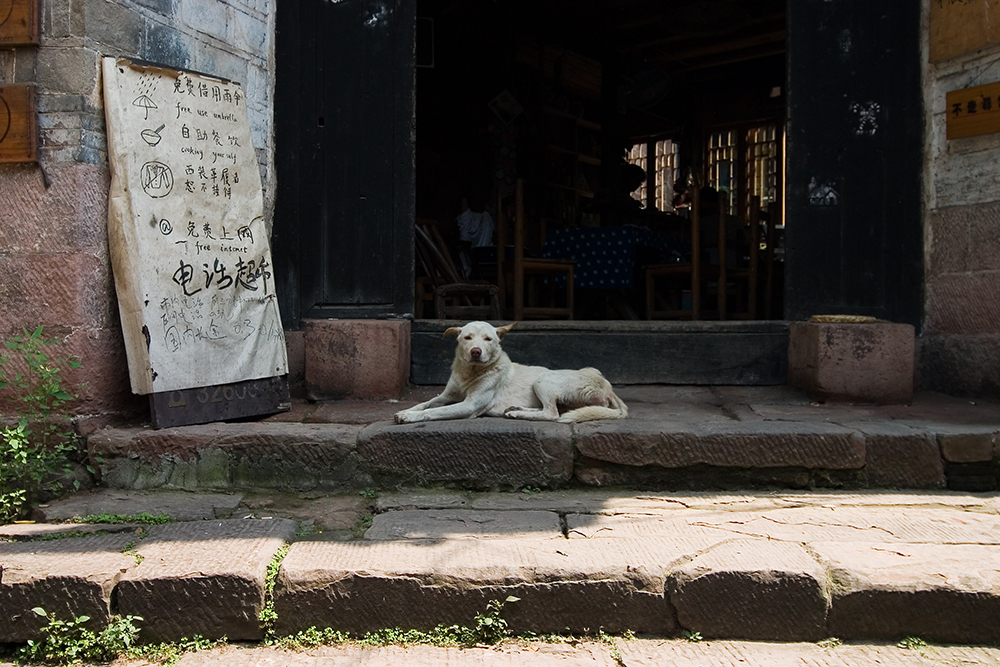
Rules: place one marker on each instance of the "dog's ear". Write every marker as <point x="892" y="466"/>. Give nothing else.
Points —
<point x="453" y="331"/>
<point x="502" y="331"/>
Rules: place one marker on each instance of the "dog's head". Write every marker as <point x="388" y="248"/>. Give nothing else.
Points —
<point x="479" y="342"/>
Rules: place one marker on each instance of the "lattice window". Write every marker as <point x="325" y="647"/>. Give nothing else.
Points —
<point x="638" y="156"/>
<point x="664" y="164"/>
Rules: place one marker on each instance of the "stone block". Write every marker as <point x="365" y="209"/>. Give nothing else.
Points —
<point x="114" y="25"/>
<point x="68" y="70"/>
<point x="167" y="45"/>
<point x="669" y="443"/>
<point x="357" y="358"/>
<point x="68" y="578"/>
<point x="65" y="289"/>
<point x="291" y="457"/>
<point x="202" y="578"/>
<point x="852" y="362"/>
<point x="563" y="587"/>
<point x="751" y="589"/>
<point x="963" y="303"/>
<point x="968" y="447"/>
<point x="477" y="453"/>
<point x="901" y="457"/>
<point x="961" y="365"/>
<point x="884" y="591"/>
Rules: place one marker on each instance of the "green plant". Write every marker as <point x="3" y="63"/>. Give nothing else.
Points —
<point x="363" y="524"/>
<point x="914" y="643"/>
<point x="70" y="642"/>
<point x="39" y="448"/>
<point x="491" y="627"/>
<point x="692" y="636"/>
<point x="267" y="614"/>
<point x="369" y="494"/>
<point x="830" y="642"/>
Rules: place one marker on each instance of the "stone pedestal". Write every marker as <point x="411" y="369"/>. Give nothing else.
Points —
<point x="356" y="358"/>
<point x="852" y="362"/>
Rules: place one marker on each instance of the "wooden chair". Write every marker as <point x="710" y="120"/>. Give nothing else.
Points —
<point x="525" y="272"/>
<point x="453" y="298"/>
<point x="748" y="276"/>
<point x="690" y="273"/>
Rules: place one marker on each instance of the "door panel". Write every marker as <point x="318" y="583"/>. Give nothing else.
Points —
<point x="343" y="238"/>
<point x="855" y="144"/>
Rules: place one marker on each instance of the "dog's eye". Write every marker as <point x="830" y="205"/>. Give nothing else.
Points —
<point x="469" y="337"/>
<point x="487" y="338"/>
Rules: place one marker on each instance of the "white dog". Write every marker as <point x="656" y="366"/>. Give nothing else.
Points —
<point x="484" y="381"/>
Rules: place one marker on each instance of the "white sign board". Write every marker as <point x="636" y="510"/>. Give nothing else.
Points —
<point x="189" y="248"/>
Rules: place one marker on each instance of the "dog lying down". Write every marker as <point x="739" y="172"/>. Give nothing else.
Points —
<point x="485" y="382"/>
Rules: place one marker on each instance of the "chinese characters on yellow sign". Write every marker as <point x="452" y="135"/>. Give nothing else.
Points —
<point x="973" y="111"/>
<point x="189" y="247"/>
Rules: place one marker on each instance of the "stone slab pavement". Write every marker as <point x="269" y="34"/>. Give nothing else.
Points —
<point x="637" y="653"/>
<point x="759" y="565"/>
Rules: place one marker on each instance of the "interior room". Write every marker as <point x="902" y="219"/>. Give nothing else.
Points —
<point x="600" y="159"/>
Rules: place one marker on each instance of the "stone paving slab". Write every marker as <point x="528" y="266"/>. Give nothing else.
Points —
<point x="584" y="654"/>
<point x="178" y="505"/>
<point x="203" y="577"/>
<point x="679" y="653"/>
<point x="48" y="531"/>
<point x="947" y="593"/>
<point x="562" y="585"/>
<point x="67" y="578"/>
<point x="464" y="524"/>
<point x="806" y="524"/>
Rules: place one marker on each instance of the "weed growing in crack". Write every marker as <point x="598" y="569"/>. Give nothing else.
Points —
<point x="692" y="636"/>
<point x="268" y="615"/>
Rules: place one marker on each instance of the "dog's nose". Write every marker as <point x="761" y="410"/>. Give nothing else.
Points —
<point x="476" y="352"/>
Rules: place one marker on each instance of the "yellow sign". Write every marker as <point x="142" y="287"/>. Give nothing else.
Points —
<point x="973" y="111"/>
<point x="18" y="22"/>
<point x="17" y="123"/>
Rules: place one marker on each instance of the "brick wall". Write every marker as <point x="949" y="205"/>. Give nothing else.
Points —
<point x="960" y="346"/>
<point x="54" y="264"/>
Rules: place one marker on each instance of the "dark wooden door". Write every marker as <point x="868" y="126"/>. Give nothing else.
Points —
<point x="344" y="127"/>
<point x="855" y="145"/>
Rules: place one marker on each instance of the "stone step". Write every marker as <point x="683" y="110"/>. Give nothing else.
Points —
<point x="674" y="438"/>
<point x="753" y="566"/>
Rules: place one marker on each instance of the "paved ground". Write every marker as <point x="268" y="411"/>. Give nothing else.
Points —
<point x="639" y="653"/>
<point x="776" y="566"/>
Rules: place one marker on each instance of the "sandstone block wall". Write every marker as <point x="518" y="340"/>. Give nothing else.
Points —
<point x="54" y="265"/>
<point x="960" y="345"/>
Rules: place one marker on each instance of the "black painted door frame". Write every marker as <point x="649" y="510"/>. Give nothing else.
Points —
<point x="344" y="133"/>
<point x="854" y="234"/>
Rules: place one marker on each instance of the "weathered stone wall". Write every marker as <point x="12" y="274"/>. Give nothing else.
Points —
<point x="54" y="264"/>
<point x="960" y="346"/>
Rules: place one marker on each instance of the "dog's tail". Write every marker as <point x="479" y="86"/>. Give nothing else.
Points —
<point x="617" y="410"/>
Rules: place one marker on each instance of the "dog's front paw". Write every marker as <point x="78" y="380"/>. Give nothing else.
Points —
<point x="512" y="412"/>
<point x="405" y="417"/>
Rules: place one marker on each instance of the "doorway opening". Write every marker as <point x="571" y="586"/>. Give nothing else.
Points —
<point x="600" y="160"/>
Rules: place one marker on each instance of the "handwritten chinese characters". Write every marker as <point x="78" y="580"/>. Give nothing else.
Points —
<point x="191" y="256"/>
